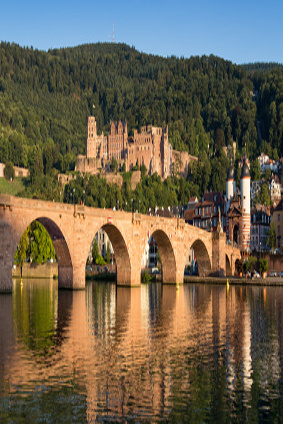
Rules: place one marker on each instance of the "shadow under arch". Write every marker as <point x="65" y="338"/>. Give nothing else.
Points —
<point x="167" y="256"/>
<point x="122" y="258"/>
<point x="65" y="267"/>
<point x="202" y="258"/>
<point x="228" y="267"/>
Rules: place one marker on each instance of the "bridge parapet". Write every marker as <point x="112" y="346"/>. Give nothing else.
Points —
<point x="79" y="210"/>
<point x="136" y="218"/>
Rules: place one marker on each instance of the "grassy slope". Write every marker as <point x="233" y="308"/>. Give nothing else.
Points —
<point x="11" y="188"/>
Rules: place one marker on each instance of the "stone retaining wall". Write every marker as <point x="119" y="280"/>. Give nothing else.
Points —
<point x="47" y="270"/>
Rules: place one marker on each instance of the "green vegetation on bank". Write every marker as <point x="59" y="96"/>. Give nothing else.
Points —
<point x="12" y="187"/>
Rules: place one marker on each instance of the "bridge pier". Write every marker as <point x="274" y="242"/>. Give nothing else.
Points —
<point x="218" y="254"/>
<point x="72" y="278"/>
<point x="65" y="277"/>
<point x="7" y="249"/>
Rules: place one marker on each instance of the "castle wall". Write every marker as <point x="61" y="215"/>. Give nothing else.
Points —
<point x="181" y="160"/>
<point x="19" y="172"/>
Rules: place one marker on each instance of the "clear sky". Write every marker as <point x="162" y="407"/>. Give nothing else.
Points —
<point x="241" y="31"/>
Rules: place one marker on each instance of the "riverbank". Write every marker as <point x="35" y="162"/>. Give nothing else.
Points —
<point x="268" y="281"/>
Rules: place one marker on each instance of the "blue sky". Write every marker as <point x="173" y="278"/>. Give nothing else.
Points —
<point x="240" y="31"/>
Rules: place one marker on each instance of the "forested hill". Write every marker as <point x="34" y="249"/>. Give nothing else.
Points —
<point x="45" y="98"/>
<point x="261" y="66"/>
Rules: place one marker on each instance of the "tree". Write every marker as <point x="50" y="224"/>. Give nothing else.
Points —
<point x="108" y="254"/>
<point x="9" y="172"/>
<point x="250" y="263"/>
<point x="267" y="175"/>
<point x="239" y="266"/>
<point x="114" y="165"/>
<point x="264" y="194"/>
<point x="263" y="265"/>
<point x="271" y="239"/>
<point x="219" y="140"/>
<point x="100" y="261"/>
<point x="255" y="170"/>
<point x="41" y="246"/>
<point x="35" y="245"/>
<point x="95" y="251"/>
<point x="143" y="170"/>
<point x="36" y="166"/>
<point x="22" y="248"/>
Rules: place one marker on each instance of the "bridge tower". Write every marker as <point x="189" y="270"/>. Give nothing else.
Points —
<point x="246" y="206"/>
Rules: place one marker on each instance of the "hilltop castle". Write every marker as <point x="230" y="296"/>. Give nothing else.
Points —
<point x="149" y="147"/>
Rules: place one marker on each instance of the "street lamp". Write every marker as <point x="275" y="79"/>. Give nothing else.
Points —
<point x="126" y="207"/>
<point x="74" y="194"/>
<point x="60" y="196"/>
<point x="132" y="204"/>
<point x="117" y="205"/>
<point x="139" y="206"/>
<point x="83" y="197"/>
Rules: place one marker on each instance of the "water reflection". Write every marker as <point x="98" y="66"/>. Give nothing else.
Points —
<point x="153" y="353"/>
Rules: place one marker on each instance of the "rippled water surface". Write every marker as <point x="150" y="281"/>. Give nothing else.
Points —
<point x="150" y="354"/>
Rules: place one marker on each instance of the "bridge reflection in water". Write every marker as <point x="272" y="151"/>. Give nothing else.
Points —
<point x="149" y="353"/>
<point x="72" y="229"/>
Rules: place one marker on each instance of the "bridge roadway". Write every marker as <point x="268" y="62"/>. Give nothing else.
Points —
<point x="73" y="227"/>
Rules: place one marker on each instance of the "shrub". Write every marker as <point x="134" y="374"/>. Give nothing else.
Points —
<point x="263" y="265"/>
<point x="9" y="172"/>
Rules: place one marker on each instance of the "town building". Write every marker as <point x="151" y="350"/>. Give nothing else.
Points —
<point x="266" y="162"/>
<point x="205" y="214"/>
<point x="149" y="147"/>
<point x="274" y="189"/>
<point x="277" y="219"/>
<point x="255" y="189"/>
<point x="260" y="224"/>
<point x="263" y="159"/>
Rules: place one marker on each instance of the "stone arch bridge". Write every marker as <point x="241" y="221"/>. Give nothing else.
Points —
<point x="73" y="227"/>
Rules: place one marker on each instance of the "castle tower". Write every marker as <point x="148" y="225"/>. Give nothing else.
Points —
<point x="246" y="206"/>
<point x="91" y="138"/>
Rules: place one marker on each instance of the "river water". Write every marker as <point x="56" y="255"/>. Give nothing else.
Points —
<point x="195" y="354"/>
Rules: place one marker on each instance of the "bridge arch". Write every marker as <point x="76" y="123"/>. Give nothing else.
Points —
<point x="202" y="258"/>
<point x="124" y="269"/>
<point x="122" y="257"/>
<point x="167" y="256"/>
<point x="65" y="267"/>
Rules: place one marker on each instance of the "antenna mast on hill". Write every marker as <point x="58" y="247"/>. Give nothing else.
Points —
<point x="113" y="31"/>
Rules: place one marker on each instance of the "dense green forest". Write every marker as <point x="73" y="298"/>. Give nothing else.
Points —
<point x="46" y="97"/>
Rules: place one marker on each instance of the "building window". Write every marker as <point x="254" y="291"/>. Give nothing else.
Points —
<point x="278" y="217"/>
